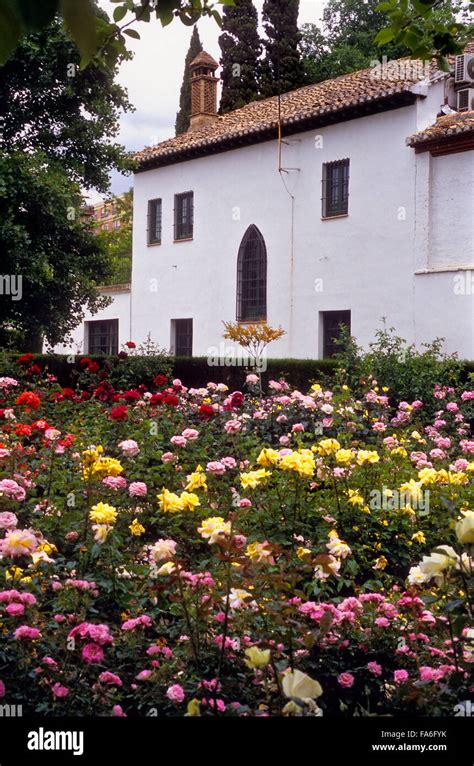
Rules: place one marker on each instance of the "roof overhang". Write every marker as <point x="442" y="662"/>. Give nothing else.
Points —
<point x="290" y="126"/>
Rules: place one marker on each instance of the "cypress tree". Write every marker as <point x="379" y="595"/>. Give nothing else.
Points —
<point x="282" y="68"/>
<point x="241" y="49"/>
<point x="184" y="114"/>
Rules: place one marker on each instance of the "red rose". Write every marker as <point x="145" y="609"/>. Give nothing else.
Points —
<point x="131" y="396"/>
<point x="119" y="413"/>
<point x="40" y="425"/>
<point x="160" y="380"/>
<point x="29" y="399"/>
<point x="93" y="367"/>
<point x="23" y="430"/>
<point x="130" y="344"/>
<point x="85" y="360"/>
<point x="25" y="359"/>
<point x="123" y="355"/>
<point x="156" y="399"/>
<point x="173" y="401"/>
<point x="34" y="370"/>
<point x="68" y="393"/>
<point x="206" y="411"/>
<point x="237" y="399"/>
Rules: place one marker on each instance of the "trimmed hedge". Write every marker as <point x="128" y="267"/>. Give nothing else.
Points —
<point x="193" y="371"/>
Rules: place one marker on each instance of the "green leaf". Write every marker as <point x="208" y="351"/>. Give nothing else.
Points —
<point x="120" y="12"/>
<point x="131" y="33"/>
<point x="386" y="6"/>
<point x="385" y="36"/>
<point x="37" y="14"/>
<point x="11" y="28"/>
<point x="80" y="19"/>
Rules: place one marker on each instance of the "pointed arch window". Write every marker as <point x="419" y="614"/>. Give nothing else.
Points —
<point x="252" y="277"/>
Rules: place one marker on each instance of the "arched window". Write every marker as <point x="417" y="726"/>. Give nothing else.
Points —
<point x="252" y="277"/>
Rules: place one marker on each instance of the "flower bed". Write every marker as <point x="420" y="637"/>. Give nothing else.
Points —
<point x="207" y="552"/>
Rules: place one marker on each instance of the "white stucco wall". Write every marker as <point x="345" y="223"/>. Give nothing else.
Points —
<point x="118" y="309"/>
<point x="402" y="209"/>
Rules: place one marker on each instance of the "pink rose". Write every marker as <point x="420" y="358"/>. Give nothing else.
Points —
<point x="400" y="676"/>
<point x="190" y="434"/>
<point x="374" y="668"/>
<point x="175" y="693"/>
<point x="129" y="448"/>
<point x="110" y="678"/>
<point x="59" y="691"/>
<point x="137" y="489"/>
<point x="92" y="653"/>
<point x="14" y="610"/>
<point x="8" y="520"/>
<point x="24" y="631"/>
<point x="346" y="680"/>
<point x="178" y="441"/>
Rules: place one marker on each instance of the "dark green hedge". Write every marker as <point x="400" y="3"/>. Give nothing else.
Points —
<point x="193" y="372"/>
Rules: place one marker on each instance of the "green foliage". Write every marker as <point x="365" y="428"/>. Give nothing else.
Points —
<point x="407" y="373"/>
<point x="184" y="114"/>
<point x="428" y="27"/>
<point x="70" y="114"/>
<point x="94" y="35"/>
<point x="117" y="243"/>
<point x="44" y="240"/>
<point x="347" y="40"/>
<point x="241" y="50"/>
<point x="282" y="68"/>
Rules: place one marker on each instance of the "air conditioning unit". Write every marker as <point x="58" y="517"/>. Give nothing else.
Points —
<point x="466" y="100"/>
<point x="464" y="69"/>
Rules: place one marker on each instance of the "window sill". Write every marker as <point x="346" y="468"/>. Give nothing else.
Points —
<point x="153" y="244"/>
<point x="332" y="217"/>
<point x="251" y="321"/>
<point x="184" y="239"/>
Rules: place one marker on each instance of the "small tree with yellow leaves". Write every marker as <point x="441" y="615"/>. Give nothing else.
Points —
<point x="254" y="338"/>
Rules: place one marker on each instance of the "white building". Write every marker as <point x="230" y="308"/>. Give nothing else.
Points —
<point x="364" y="210"/>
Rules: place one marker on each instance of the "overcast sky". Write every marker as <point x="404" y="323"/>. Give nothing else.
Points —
<point x="153" y="77"/>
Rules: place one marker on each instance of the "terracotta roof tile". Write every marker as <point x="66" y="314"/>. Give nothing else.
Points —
<point x="446" y="126"/>
<point x="324" y="99"/>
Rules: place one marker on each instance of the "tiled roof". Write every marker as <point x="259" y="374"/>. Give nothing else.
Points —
<point x="204" y="59"/>
<point x="367" y="90"/>
<point x="447" y="126"/>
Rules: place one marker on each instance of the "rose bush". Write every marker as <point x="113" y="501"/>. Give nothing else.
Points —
<point x="181" y="551"/>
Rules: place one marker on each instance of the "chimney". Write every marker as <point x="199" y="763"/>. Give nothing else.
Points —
<point x="203" y="91"/>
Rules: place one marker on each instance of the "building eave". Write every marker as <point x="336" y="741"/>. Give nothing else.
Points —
<point x="290" y="126"/>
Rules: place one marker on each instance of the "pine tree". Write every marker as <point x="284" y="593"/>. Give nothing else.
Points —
<point x="241" y="49"/>
<point x="282" y="68"/>
<point x="184" y="114"/>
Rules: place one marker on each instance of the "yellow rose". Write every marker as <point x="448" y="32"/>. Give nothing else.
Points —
<point x="214" y="529"/>
<point x="253" y="478"/>
<point x="170" y="502"/>
<point x="257" y="658"/>
<point x="102" y="513"/>
<point x="189" y="500"/>
<point x="196" y="480"/>
<point x="268" y="457"/>
<point x="465" y="528"/>
<point x="299" y="685"/>
<point x="136" y="528"/>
